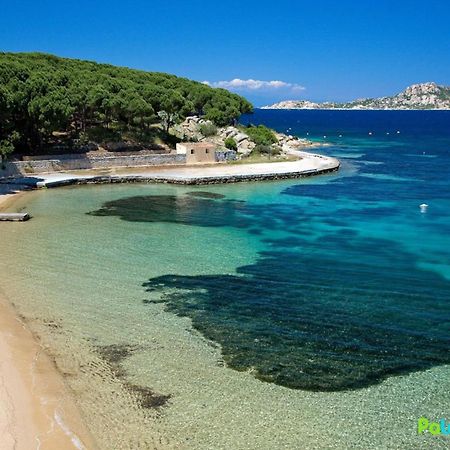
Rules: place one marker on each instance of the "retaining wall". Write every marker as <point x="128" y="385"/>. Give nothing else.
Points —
<point x="15" y="168"/>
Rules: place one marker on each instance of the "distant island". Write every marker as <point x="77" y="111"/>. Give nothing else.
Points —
<point x="418" y="96"/>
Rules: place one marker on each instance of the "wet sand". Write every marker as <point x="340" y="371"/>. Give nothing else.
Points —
<point x="8" y="196"/>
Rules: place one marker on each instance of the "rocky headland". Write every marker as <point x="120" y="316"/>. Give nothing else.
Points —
<point x="198" y="129"/>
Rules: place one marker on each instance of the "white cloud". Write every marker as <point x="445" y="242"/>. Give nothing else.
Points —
<point x="255" y="85"/>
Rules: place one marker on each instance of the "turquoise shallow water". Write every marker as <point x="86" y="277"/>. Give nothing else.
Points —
<point x="329" y="293"/>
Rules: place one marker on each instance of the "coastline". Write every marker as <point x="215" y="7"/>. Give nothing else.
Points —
<point x="309" y="164"/>
<point x="36" y="408"/>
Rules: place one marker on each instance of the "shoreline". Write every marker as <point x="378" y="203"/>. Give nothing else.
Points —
<point x="37" y="409"/>
<point x="309" y="164"/>
<point x="6" y="200"/>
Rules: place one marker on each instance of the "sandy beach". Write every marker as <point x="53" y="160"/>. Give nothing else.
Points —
<point x="37" y="410"/>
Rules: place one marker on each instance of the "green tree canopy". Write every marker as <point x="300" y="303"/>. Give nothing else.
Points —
<point x="261" y="135"/>
<point x="41" y="94"/>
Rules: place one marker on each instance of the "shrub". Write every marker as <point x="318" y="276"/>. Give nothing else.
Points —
<point x="102" y="134"/>
<point x="83" y="138"/>
<point x="172" y="140"/>
<point x="7" y="147"/>
<point x="230" y="143"/>
<point x="208" y="129"/>
<point x="261" y="135"/>
<point x="268" y="150"/>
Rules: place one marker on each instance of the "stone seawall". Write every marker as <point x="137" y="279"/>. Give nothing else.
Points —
<point x="17" y="168"/>
<point x="198" y="180"/>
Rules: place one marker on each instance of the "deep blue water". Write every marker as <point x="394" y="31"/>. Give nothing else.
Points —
<point x="353" y="283"/>
<point x="432" y="125"/>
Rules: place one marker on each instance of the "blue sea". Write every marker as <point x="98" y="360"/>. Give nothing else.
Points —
<point x="310" y="313"/>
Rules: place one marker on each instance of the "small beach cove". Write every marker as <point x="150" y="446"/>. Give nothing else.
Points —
<point x="48" y="407"/>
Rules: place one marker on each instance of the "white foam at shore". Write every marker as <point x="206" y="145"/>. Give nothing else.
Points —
<point x="73" y="437"/>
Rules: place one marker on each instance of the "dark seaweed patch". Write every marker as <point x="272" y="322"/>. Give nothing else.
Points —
<point x="147" y="397"/>
<point x="147" y="301"/>
<point x="305" y="321"/>
<point x="114" y="355"/>
<point x="186" y="210"/>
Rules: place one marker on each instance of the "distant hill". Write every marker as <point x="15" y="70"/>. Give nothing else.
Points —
<point x="45" y="99"/>
<point x="417" y="96"/>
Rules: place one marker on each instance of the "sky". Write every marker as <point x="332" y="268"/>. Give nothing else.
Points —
<point x="265" y="50"/>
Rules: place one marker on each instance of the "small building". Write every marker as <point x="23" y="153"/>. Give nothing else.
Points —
<point x="198" y="152"/>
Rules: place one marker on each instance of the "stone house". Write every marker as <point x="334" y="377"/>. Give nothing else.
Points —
<point x="198" y="152"/>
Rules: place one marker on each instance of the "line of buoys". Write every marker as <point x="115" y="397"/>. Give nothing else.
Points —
<point x="370" y="133"/>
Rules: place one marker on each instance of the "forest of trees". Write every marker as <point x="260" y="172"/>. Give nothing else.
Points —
<point x="42" y="94"/>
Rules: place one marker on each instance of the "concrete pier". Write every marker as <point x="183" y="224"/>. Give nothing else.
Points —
<point x="309" y="165"/>
<point x="14" y="217"/>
